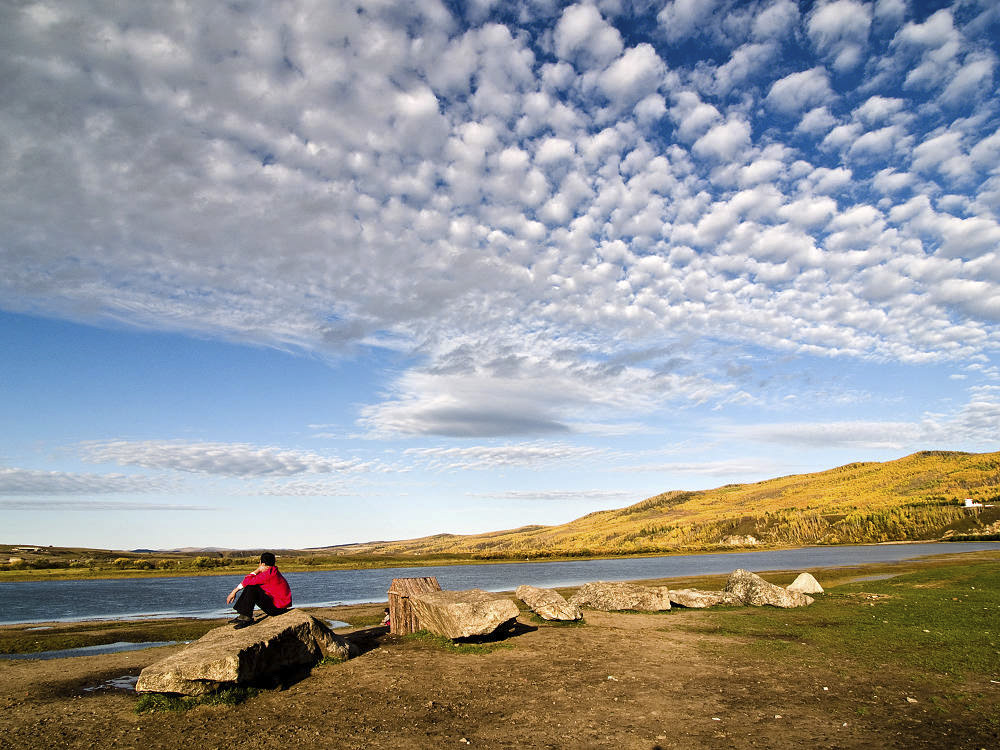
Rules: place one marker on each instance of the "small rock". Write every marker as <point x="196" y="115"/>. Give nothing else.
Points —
<point x="615" y="597"/>
<point x="805" y="584"/>
<point x="548" y="604"/>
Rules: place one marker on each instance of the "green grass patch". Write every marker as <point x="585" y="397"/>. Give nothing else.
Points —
<point x="944" y="620"/>
<point x="154" y="702"/>
<point x="456" y="647"/>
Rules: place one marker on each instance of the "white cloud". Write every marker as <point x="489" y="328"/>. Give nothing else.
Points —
<point x="817" y="121"/>
<point x="45" y="505"/>
<point x="634" y="75"/>
<point x="582" y="34"/>
<point x="681" y="18"/>
<point x="17" y="482"/>
<point x="799" y="91"/>
<point x="878" y="109"/>
<point x="839" y="31"/>
<point x="222" y="459"/>
<point x="725" y="141"/>
<point x="776" y="21"/>
<point x="487" y="457"/>
<point x="971" y="81"/>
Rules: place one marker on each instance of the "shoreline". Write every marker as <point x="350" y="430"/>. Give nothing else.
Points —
<point x="836" y="575"/>
<point x="76" y="574"/>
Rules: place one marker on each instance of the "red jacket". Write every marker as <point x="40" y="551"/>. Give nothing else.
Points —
<point x="273" y="584"/>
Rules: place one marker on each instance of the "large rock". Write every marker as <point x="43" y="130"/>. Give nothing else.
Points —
<point x="615" y="597"/>
<point x="755" y="591"/>
<point x="697" y="599"/>
<point x="805" y="584"/>
<point x="224" y="656"/>
<point x="548" y="604"/>
<point x="462" y="614"/>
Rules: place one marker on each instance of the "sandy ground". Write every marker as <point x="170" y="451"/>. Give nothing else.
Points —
<point x="621" y="681"/>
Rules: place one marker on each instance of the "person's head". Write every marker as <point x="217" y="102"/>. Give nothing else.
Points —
<point x="267" y="558"/>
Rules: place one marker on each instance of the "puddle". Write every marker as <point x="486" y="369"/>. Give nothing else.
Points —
<point x="40" y="627"/>
<point x="101" y="650"/>
<point x="880" y="577"/>
<point x="338" y="624"/>
<point x="125" y="682"/>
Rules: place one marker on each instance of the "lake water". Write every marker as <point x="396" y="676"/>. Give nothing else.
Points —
<point x="205" y="596"/>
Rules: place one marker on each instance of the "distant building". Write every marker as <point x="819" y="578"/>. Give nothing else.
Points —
<point x="970" y="503"/>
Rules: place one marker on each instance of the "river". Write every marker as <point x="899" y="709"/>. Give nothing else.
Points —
<point x="205" y="596"/>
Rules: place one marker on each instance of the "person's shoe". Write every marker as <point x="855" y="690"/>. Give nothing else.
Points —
<point x="242" y="622"/>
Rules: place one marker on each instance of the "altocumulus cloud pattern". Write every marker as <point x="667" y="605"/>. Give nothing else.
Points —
<point x="563" y="216"/>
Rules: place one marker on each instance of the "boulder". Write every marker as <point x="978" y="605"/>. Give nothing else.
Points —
<point x="614" y="597"/>
<point x="805" y="584"/>
<point x="548" y="604"/>
<point x="462" y="614"/>
<point x="697" y="599"/>
<point x="224" y="657"/>
<point x="755" y="591"/>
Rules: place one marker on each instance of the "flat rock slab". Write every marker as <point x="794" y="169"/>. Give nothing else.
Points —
<point x="616" y="597"/>
<point x="804" y="583"/>
<point x="755" y="591"/>
<point x="548" y="604"/>
<point x="698" y="599"/>
<point x="225" y="657"/>
<point x="462" y="614"/>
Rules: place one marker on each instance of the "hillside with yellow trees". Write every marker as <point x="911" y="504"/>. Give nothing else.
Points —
<point x="919" y="497"/>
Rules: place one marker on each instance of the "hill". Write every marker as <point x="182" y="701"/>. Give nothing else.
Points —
<point x="918" y="497"/>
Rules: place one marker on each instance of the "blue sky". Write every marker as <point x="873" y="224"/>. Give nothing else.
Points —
<point x="307" y="273"/>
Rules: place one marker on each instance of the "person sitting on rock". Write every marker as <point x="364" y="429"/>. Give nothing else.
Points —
<point x="265" y="588"/>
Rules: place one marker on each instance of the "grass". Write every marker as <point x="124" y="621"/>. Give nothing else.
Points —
<point x="447" y="644"/>
<point x="155" y="702"/>
<point x="942" y="620"/>
<point x="18" y="639"/>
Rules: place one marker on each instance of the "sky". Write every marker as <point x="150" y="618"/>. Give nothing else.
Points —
<point x="300" y="273"/>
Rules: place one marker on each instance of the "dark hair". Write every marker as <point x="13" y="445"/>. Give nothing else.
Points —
<point x="267" y="558"/>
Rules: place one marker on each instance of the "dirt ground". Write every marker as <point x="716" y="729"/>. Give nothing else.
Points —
<point x="620" y="681"/>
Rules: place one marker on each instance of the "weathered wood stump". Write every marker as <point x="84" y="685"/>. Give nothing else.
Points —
<point x="402" y="619"/>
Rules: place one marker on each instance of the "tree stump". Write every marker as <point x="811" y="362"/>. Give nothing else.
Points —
<point x="402" y="620"/>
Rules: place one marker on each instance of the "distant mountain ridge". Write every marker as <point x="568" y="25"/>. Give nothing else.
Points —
<point x="918" y="497"/>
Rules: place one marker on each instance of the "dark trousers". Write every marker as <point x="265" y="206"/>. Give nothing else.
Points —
<point x="254" y="595"/>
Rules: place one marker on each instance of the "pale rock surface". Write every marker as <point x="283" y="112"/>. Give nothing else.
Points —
<point x="225" y="657"/>
<point x="755" y="591"/>
<point x="697" y="599"/>
<point x="548" y="604"/>
<point x="805" y="584"/>
<point x="614" y="597"/>
<point x="462" y="614"/>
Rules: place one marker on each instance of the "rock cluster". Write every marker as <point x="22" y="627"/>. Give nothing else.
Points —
<point x="462" y="614"/>
<point x="224" y="656"/>
<point x="616" y="597"/>
<point x="548" y="604"/>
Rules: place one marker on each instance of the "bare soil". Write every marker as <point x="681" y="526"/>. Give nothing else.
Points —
<point x="620" y="681"/>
